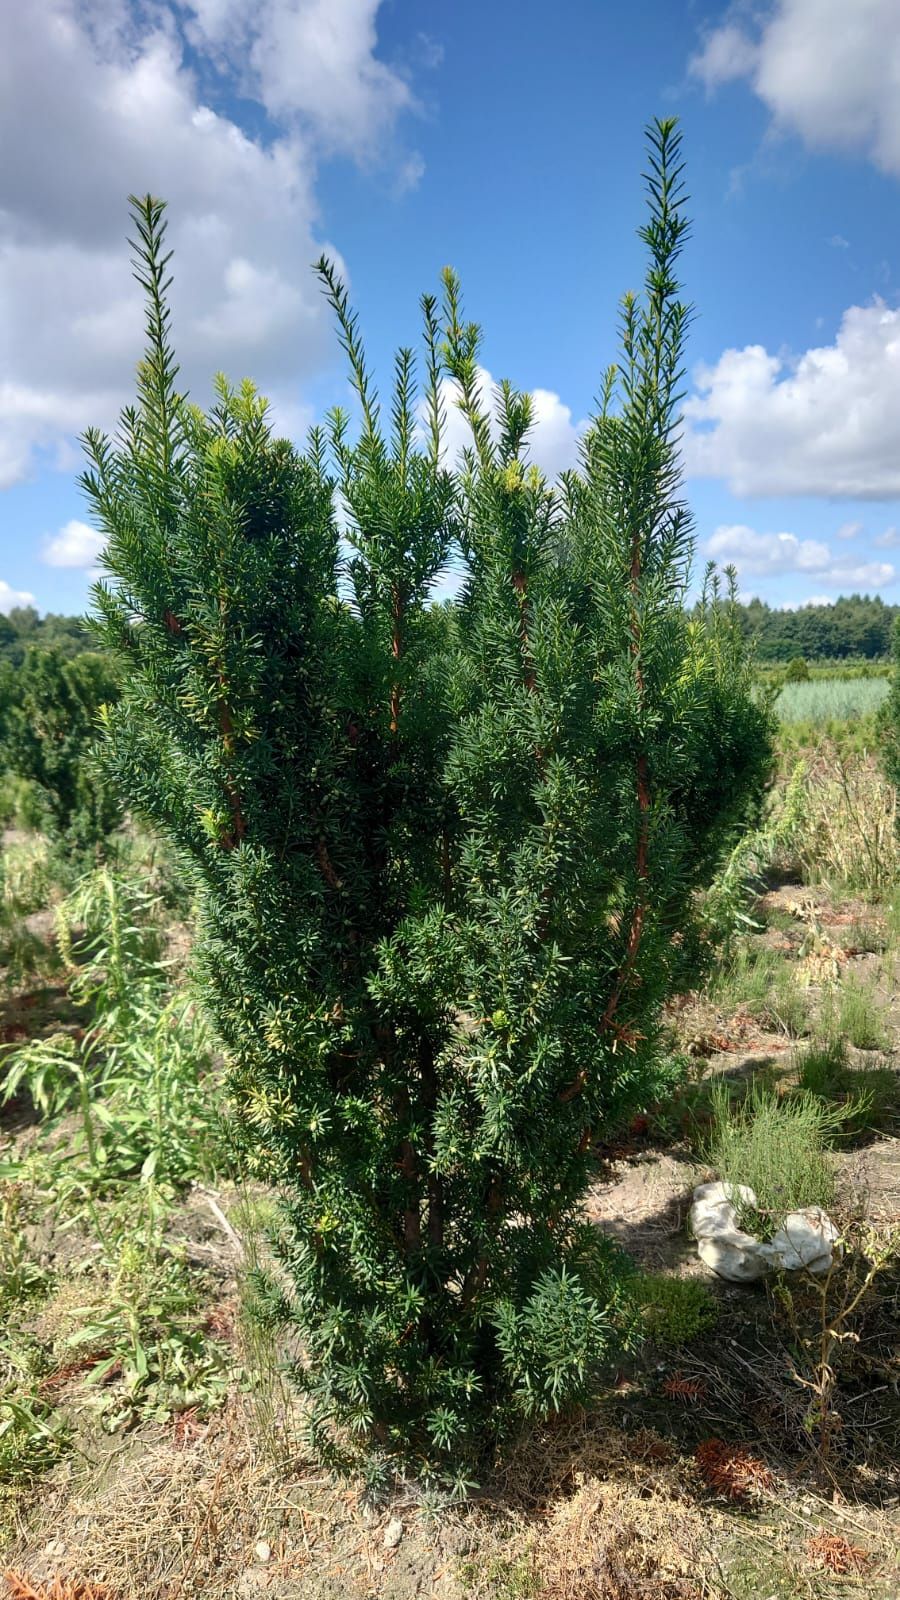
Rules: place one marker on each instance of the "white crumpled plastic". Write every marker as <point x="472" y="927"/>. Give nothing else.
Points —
<point x="806" y="1239"/>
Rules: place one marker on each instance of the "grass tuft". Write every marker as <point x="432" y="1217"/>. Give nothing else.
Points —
<point x="674" y="1310"/>
<point x="868" y="1096"/>
<point x="860" y="1017"/>
<point x="778" y="1146"/>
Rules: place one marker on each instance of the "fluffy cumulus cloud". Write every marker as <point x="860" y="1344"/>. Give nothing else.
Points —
<point x="100" y="98"/>
<point x="774" y="555"/>
<point x="769" y="553"/>
<point x="312" y="62"/>
<point x="76" y="545"/>
<point x="825" y="422"/>
<point x="10" y="598"/>
<point x="554" y="437"/>
<point x="828" y="70"/>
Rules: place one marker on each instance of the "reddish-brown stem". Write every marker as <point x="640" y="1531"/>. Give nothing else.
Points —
<point x="477" y="1277"/>
<point x="238" y="820"/>
<point x="520" y="585"/>
<point x="326" y="866"/>
<point x="396" y="651"/>
<point x="446" y="866"/>
<point x="412" y="1221"/>
<point x="435" y="1195"/>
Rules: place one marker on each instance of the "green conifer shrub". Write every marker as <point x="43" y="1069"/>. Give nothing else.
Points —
<point x="447" y="856"/>
<point x="50" y="706"/>
<point x="797" y="670"/>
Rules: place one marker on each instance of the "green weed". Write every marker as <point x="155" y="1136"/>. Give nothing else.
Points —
<point x="764" y="1574"/>
<point x="21" y="803"/>
<point x="138" y="1328"/>
<point x="866" y="936"/>
<point x="134" y="1077"/>
<point x="501" y="1578"/>
<point x="869" y="1096"/>
<point x="846" y="832"/>
<point x="137" y="1092"/>
<point x="29" y="875"/>
<point x="758" y="980"/>
<point x="21" y="1278"/>
<point x="776" y="1145"/>
<point x="788" y="1006"/>
<point x="674" y="1310"/>
<point x="746" y="980"/>
<point x="32" y="1439"/>
<point x="860" y="1017"/>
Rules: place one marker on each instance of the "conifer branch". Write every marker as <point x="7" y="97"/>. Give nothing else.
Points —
<point x="434" y="401"/>
<point x="461" y="345"/>
<point x="351" y="343"/>
<point x="158" y="370"/>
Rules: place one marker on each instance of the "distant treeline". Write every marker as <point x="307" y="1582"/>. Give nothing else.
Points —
<point x="857" y="626"/>
<point x="23" y="627"/>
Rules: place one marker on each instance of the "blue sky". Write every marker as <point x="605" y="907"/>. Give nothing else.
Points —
<point x="506" y="139"/>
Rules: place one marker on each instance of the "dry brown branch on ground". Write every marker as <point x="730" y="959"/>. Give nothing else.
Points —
<point x="835" y="1553"/>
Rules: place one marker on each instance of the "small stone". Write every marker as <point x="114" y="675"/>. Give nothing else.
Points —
<point x="262" y="1551"/>
<point x="253" y="1582"/>
<point x="55" y="1549"/>
<point x="393" y="1533"/>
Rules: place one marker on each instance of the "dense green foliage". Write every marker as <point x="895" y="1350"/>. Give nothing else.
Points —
<point x="674" y="1310"/>
<point x="23" y="627"/>
<point x="855" y="627"/>
<point x="49" y="711"/>
<point x="447" y="858"/>
<point x="889" y="722"/>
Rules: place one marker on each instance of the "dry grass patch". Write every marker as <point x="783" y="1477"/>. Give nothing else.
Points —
<point x="609" y="1542"/>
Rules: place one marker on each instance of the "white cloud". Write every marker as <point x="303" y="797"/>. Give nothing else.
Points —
<point x="311" y="62"/>
<point x="776" y="554"/>
<point x="102" y="99"/>
<point x="850" y="530"/>
<point x="76" y="545"/>
<point x="767" y="553"/>
<point x="728" y="53"/>
<point x="889" y="540"/>
<point x="822" y="423"/>
<point x="865" y="575"/>
<point x="10" y="598"/>
<point x="552" y="441"/>
<point x="555" y="435"/>
<point x="804" y="605"/>
<point x="827" y="70"/>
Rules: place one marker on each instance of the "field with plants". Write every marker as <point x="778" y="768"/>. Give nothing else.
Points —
<point x="381" y="978"/>
<point x="830" y="699"/>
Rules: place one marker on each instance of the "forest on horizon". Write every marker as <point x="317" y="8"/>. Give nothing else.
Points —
<point x="853" y="627"/>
